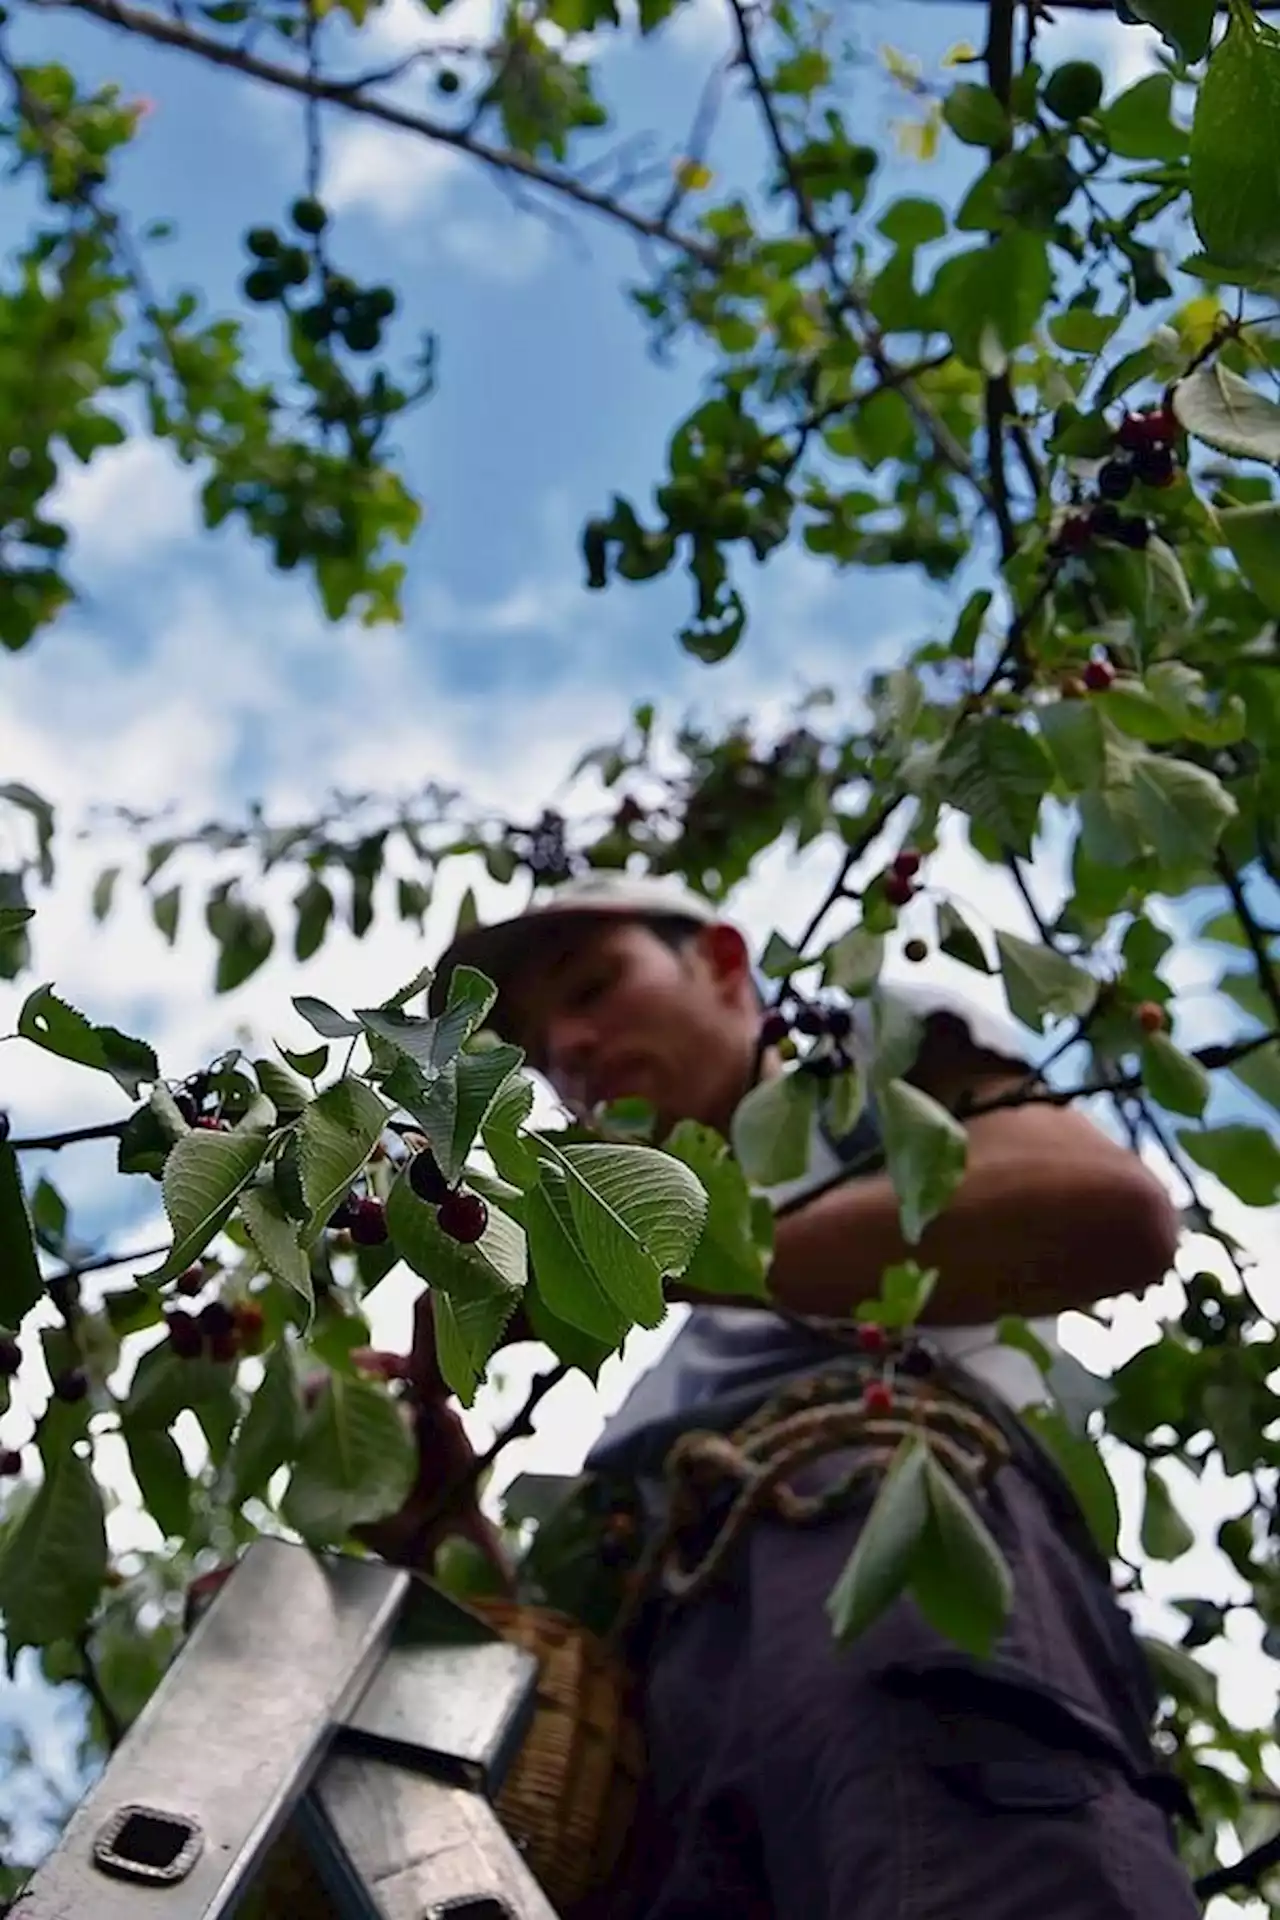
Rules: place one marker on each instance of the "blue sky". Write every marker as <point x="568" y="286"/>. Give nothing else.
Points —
<point x="190" y="673"/>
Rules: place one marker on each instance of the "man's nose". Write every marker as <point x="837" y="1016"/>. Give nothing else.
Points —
<point x="571" y="1042"/>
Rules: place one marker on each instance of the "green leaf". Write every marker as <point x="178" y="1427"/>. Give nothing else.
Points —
<point x="500" y="1130"/>
<point x="276" y="1240"/>
<point x="1260" y="1073"/>
<point x="1235" y="147"/>
<point x="1253" y="535"/>
<point x="1041" y="984"/>
<point x="1246" y="1159"/>
<point x="59" y="1028"/>
<point x="1072" y="731"/>
<point x="336" y="1135"/>
<point x="1085" y="1471"/>
<point x="779" y="958"/>
<point x="912" y="222"/>
<point x="1165" y="1534"/>
<point x="1227" y="413"/>
<point x="52" y="1563"/>
<point x="163" y="1386"/>
<point x="204" y="1175"/>
<point x="496" y="1263"/>
<point x="960" y="1579"/>
<point x="451" y="1108"/>
<point x="1185" y="25"/>
<point x="1183" y="809"/>
<point x="283" y="1089"/>
<point x="905" y="1291"/>
<point x="975" y="116"/>
<point x="998" y="774"/>
<point x="729" y="1257"/>
<point x="325" y="1019"/>
<point x="356" y="1462"/>
<point x="853" y="962"/>
<point x="989" y="300"/>
<point x="268" y="1434"/>
<point x="467" y="1331"/>
<point x="566" y="1283"/>
<point x="639" y="1215"/>
<point x="1176" y="1671"/>
<point x="162" y="1478"/>
<point x="958" y="939"/>
<point x="20" y="1282"/>
<point x="313" y="906"/>
<point x="882" y="1561"/>
<point x="1173" y="1078"/>
<point x="245" y="938"/>
<point x="433" y="1042"/>
<point x="1138" y="125"/>
<point x="925" y="1152"/>
<point x="772" y="1129"/>
<point x="165" y="908"/>
<point x="310" y="1065"/>
<point x="103" y="892"/>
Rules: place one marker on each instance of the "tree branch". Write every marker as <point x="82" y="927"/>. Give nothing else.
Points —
<point x="998" y="397"/>
<point x="91" y="1680"/>
<point x="1268" y="979"/>
<point x="54" y="1142"/>
<point x="349" y="96"/>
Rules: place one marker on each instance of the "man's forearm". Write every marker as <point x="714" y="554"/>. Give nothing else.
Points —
<point x="1028" y="1231"/>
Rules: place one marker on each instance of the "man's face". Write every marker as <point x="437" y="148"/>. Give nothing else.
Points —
<point x="614" y="1012"/>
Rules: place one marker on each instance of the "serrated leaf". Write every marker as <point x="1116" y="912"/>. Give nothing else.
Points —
<point x="1245" y="1159"/>
<point x="1235" y="145"/>
<point x="1085" y="1471"/>
<point x="566" y="1283"/>
<point x="432" y="1042"/>
<point x="639" y="1215"/>
<point x="1041" y="984"/>
<point x="1165" y="1534"/>
<point x="276" y="1241"/>
<point x="356" y="1462"/>
<point x="283" y="1089"/>
<point x="570" y="1344"/>
<point x="204" y="1175"/>
<point x="467" y="1331"/>
<point x="163" y="1386"/>
<point x="20" y="1282"/>
<point x="1172" y="1077"/>
<point x="451" y="1107"/>
<point x="772" y="1129"/>
<point x="880" y="1566"/>
<point x="998" y="774"/>
<point x="926" y="1149"/>
<point x="325" y="1019"/>
<point x="729" y="1258"/>
<point x="336" y="1135"/>
<point x="1072" y="731"/>
<point x="1227" y="413"/>
<point x="268" y="1434"/>
<point x="53" y="1561"/>
<point x="957" y="939"/>
<point x="496" y="1262"/>
<point x="960" y="1579"/>
<point x="1253" y="535"/>
<point x="853" y="962"/>
<point x="161" y="1476"/>
<point x="60" y="1028"/>
<point x="511" y="1154"/>
<point x="1183" y="809"/>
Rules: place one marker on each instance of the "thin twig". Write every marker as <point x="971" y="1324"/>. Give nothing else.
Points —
<point x="1268" y="979"/>
<point x="112" y="1725"/>
<point x="54" y="1142"/>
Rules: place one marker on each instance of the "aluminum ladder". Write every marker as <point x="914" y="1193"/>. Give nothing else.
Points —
<point x="341" y="1695"/>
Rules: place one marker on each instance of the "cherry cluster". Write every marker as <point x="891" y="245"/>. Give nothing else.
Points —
<point x="218" y="1332"/>
<point x="901" y="1353"/>
<point x="1145" y="454"/>
<point x="815" y="1020"/>
<point x="546" y="852"/>
<point x="461" y="1215"/>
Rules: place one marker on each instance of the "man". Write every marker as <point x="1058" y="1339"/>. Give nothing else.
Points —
<point x="895" y="1778"/>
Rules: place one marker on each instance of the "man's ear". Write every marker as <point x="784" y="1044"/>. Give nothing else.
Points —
<point x="726" y="954"/>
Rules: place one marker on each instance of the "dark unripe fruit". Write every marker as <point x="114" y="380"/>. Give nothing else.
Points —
<point x="823" y="1068"/>
<point x="1098" y="675"/>
<point x="811" y="1021"/>
<point x="294" y="268"/>
<point x="839" y="1022"/>
<point x="368" y="1223"/>
<point x="72" y="1385"/>
<point x="262" y="285"/>
<point x="1115" y="479"/>
<point x="10" y="1463"/>
<point x="898" y="890"/>
<point x="216" y="1319"/>
<point x="380" y="303"/>
<point x="463" y="1216"/>
<point x="775" y="1029"/>
<point x="263" y="243"/>
<point x="10" y="1357"/>
<point x="878" y="1399"/>
<point x="308" y="216"/>
<point x="191" y="1282"/>
<point x="448" y="81"/>
<point x="917" y="1362"/>
<point x="1151" y="1017"/>
<point x="362" y="335"/>
<point x="1073" y="90"/>
<point x="915" y="951"/>
<point x="426" y="1179"/>
<point x="185" y="1337"/>
<point x="1135" y="532"/>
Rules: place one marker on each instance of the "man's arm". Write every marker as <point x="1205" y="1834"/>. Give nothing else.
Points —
<point x="1050" y="1214"/>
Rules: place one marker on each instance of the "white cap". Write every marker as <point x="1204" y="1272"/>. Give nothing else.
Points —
<point x="502" y="949"/>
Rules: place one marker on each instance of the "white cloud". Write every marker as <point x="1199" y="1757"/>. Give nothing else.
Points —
<point x="397" y="177"/>
<point x="1123" y="53"/>
<point x="127" y="504"/>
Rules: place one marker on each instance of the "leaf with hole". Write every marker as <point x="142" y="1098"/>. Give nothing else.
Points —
<point x="60" y="1028"/>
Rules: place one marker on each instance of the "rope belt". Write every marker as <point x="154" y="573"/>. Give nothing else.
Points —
<point x="825" y="1413"/>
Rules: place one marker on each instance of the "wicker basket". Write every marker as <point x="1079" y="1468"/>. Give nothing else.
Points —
<point x="569" y="1798"/>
